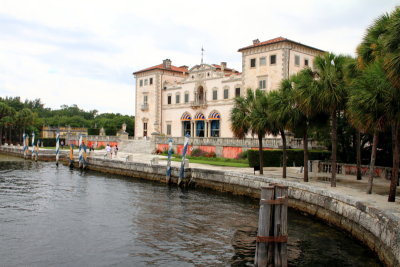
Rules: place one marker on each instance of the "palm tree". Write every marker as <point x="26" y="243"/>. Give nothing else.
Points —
<point x="283" y="115"/>
<point x="382" y="43"/>
<point x="332" y="95"/>
<point x="305" y="92"/>
<point x="367" y="107"/>
<point x="250" y="114"/>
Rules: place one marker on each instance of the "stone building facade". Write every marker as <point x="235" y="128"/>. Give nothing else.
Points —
<point x="173" y="101"/>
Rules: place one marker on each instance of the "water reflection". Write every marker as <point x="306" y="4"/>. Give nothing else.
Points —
<point x="54" y="216"/>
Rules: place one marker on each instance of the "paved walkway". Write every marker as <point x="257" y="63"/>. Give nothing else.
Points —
<point x="346" y="184"/>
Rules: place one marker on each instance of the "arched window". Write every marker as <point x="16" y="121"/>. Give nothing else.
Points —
<point x="214" y="118"/>
<point x="200" y="125"/>
<point x="186" y="121"/>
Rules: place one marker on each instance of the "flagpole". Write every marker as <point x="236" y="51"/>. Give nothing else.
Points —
<point x="182" y="169"/>
<point x="33" y="145"/>
<point x="57" y="147"/>
<point x="169" y="161"/>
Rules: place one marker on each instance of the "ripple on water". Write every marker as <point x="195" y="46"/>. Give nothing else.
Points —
<point x="52" y="216"/>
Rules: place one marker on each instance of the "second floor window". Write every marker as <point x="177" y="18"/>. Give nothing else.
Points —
<point x="186" y="97"/>
<point x="272" y="59"/>
<point x="226" y="93"/>
<point x="177" y="98"/>
<point x="169" y="100"/>
<point x="141" y="83"/>
<point x="215" y="95"/>
<point x="252" y="63"/>
<point x="145" y="100"/>
<point x="263" y="61"/>
<point x="237" y="92"/>
<point x="297" y="60"/>
<point x="151" y="81"/>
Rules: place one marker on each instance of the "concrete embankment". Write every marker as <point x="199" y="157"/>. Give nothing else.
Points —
<point x="368" y="218"/>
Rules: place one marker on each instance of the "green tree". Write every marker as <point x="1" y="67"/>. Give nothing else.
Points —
<point x="367" y="107"/>
<point x="5" y="112"/>
<point x="250" y="114"/>
<point x="332" y="95"/>
<point x="305" y="95"/>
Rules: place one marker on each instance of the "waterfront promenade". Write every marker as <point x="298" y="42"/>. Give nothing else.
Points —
<point x="369" y="218"/>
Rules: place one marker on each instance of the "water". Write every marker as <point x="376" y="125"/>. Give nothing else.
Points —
<point x="53" y="216"/>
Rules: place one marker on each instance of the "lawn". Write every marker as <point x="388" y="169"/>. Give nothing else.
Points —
<point x="240" y="163"/>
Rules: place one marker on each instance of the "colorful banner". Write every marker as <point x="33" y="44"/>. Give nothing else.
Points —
<point x="24" y="140"/>
<point x="80" y="153"/>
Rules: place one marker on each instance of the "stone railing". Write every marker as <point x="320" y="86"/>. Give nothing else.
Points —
<point x="349" y="169"/>
<point x="245" y="143"/>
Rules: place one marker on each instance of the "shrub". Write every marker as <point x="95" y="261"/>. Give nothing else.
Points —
<point x="211" y="155"/>
<point x="93" y="131"/>
<point x="198" y="153"/>
<point x="273" y="158"/>
<point x="49" y="141"/>
<point x="101" y="147"/>
<point x="243" y="155"/>
<point x="165" y="151"/>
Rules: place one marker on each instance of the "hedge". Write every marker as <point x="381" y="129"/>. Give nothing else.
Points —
<point x="50" y="142"/>
<point x="93" y="131"/>
<point x="273" y="158"/>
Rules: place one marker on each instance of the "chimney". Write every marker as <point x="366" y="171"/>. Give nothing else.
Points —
<point x="223" y="66"/>
<point x="167" y="63"/>
<point x="256" y="41"/>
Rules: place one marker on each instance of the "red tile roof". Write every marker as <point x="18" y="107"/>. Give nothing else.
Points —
<point x="161" y="67"/>
<point x="274" y="41"/>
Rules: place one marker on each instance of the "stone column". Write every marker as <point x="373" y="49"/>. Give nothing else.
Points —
<point x="206" y="129"/>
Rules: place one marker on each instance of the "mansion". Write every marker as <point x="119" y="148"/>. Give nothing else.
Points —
<point x="174" y="100"/>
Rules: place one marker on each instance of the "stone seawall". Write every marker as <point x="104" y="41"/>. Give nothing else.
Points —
<point x="378" y="228"/>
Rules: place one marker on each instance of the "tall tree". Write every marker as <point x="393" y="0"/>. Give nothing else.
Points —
<point x="332" y="95"/>
<point x="368" y="107"/>
<point x="305" y="95"/>
<point x="250" y="115"/>
<point x="5" y="110"/>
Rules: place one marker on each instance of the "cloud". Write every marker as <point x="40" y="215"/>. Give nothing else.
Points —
<point x="84" y="52"/>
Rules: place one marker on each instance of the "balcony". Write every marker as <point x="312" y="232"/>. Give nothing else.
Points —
<point x="145" y="107"/>
<point x="199" y="103"/>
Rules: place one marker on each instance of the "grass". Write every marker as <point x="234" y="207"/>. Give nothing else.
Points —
<point x="239" y="163"/>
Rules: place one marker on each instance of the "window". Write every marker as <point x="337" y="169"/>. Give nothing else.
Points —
<point x="305" y="62"/>
<point x="145" y="129"/>
<point x="297" y="60"/>
<point x="215" y="94"/>
<point x="186" y="97"/>
<point x="237" y="92"/>
<point x="141" y="83"/>
<point x="145" y="99"/>
<point x="145" y="82"/>
<point x="151" y="81"/>
<point x="262" y="84"/>
<point x="214" y="128"/>
<point x="177" y="98"/>
<point x="272" y="59"/>
<point x="263" y="61"/>
<point x="226" y="93"/>
<point x="168" y="129"/>
<point x="252" y="63"/>
<point x="169" y="100"/>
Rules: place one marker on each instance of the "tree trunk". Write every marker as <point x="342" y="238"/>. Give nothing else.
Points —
<point x="334" y="148"/>
<point x="9" y="135"/>
<point x="372" y="163"/>
<point x="261" y="154"/>
<point x="1" y="135"/>
<point x="395" y="167"/>
<point x="358" y="150"/>
<point x="305" y="147"/>
<point x="284" y="154"/>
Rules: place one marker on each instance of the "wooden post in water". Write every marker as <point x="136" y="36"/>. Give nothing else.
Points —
<point x="280" y="226"/>
<point x="264" y="227"/>
<point x="271" y="249"/>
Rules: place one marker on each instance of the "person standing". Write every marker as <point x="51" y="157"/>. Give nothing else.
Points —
<point x="108" y="150"/>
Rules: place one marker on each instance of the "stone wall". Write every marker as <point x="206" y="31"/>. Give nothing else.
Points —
<point x="379" y="230"/>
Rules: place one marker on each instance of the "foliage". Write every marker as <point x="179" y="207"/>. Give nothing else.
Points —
<point x="273" y="158"/>
<point x="51" y="142"/>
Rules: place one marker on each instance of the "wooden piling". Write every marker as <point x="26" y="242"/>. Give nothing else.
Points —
<point x="271" y="248"/>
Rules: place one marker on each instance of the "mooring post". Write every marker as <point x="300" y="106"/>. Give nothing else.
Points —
<point x="280" y="226"/>
<point x="265" y="228"/>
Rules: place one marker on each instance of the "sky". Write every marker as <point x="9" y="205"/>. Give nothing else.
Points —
<point x="84" y="52"/>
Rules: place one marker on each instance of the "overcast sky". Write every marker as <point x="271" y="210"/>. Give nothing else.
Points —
<point x="84" y="52"/>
